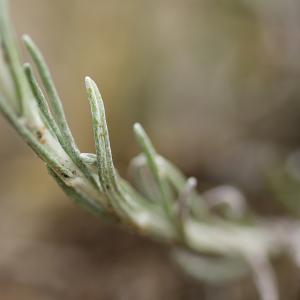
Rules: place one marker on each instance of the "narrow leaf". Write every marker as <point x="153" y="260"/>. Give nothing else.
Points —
<point x="66" y="139"/>
<point x="41" y="101"/>
<point x="12" y="59"/>
<point x="151" y="157"/>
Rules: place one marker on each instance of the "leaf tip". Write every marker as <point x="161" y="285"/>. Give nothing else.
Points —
<point x="26" y="39"/>
<point x="27" y="66"/>
<point x="88" y="80"/>
<point x="138" y="129"/>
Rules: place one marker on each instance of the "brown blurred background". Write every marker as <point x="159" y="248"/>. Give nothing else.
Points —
<point x="216" y="85"/>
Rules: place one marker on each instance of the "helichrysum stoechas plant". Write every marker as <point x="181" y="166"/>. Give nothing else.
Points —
<point x="162" y="203"/>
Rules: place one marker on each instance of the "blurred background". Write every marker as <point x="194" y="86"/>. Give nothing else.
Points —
<point x="216" y="85"/>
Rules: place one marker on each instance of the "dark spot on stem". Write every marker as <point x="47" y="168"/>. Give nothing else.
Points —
<point x="65" y="175"/>
<point x="40" y="133"/>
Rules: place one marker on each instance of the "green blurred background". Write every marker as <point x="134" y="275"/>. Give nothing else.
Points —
<point x="216" y="85"/>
